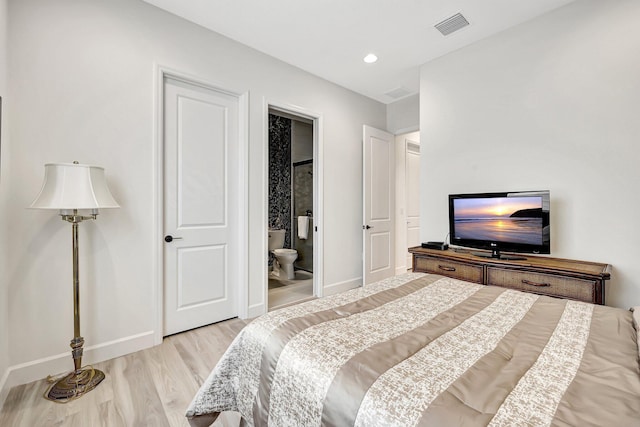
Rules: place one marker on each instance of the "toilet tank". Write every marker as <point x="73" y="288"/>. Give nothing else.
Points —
<point x="276" y="239"/>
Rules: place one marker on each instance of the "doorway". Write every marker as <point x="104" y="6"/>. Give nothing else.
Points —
<point x="407" y="198"/>
<point x="292" y="208"/>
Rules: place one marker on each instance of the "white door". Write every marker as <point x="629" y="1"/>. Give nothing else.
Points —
<point x="378" y="205"/>
<point x="201" y="206"/>
<point x="412" y="198"/>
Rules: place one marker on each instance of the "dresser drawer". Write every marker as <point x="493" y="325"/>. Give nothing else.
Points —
<point x="546" y="284"/>
<point x="457" y="270"/>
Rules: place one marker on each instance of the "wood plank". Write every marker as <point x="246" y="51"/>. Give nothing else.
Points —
<point x="172" y="380"/>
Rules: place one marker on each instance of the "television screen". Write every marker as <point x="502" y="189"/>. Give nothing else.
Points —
<point x="517" y="222"/>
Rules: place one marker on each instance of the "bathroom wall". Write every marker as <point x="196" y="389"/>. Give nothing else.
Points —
<point x="302" y="159"/>
<point x="303" y="202"/>
<point x="280" y="176"/>
<point x="302" y="141"/>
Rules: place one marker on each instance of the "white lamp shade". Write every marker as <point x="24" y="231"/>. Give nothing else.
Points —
<point x="74" y="186"/>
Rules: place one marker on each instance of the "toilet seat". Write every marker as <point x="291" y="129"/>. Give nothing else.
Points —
<point x="284" y="251"/>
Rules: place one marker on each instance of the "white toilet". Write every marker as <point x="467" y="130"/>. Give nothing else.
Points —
<point x="285" y="257"/>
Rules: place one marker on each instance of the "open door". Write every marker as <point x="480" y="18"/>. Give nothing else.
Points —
<point x="378" y="176"/>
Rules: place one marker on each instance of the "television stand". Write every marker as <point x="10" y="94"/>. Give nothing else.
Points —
<point x="556" y="277"/>
<point x="497" y="255"/>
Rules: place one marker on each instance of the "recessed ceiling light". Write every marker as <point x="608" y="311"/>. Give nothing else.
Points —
<point x="370" y="59"/>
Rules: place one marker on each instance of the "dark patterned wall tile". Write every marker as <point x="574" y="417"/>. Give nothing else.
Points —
<point x="280" y="175"/>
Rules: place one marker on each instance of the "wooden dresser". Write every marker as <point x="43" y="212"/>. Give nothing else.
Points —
<point x="577" y="280"/>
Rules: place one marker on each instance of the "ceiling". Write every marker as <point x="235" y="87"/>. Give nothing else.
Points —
<point x="329" y="38"/>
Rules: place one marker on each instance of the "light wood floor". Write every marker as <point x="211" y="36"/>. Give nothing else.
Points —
<point x="152" y="387"/>
<point x="283" y="292"/>
<point x="290" y="294"/>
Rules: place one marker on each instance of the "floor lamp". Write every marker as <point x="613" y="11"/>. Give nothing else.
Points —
<point x="77" y="192"/>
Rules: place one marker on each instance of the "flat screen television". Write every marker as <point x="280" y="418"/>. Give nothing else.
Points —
<point x="510" y="222"/>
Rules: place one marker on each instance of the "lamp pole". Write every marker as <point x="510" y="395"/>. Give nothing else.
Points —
<point x="77" y="342"/>
<point x="80" y="381"/>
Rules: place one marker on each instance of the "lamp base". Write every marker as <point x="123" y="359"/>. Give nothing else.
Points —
<point x="74" y="385"/>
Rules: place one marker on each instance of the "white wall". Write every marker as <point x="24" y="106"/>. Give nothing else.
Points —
<point x="404" y="115"/>
<point x="4" y="189"/>
<point x="551" y="104"/>
<point x="82" y="83"/>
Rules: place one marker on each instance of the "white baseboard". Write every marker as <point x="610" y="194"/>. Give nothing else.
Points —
<point x="335" y="288"/>
<point x="53" y="365"/>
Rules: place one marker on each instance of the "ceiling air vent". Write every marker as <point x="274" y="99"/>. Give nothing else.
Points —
<point x="398" y="92"/>
<point x="451" y="24"/>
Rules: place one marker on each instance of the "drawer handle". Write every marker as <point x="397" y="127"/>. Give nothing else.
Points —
<point x="446" y="268"/>
<point x="540" y="285"/>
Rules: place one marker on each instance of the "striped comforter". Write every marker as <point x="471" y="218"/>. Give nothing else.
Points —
<point x="421" y="349"/>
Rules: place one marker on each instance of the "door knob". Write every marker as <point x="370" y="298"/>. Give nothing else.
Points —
<point x="368" y="227"/>
<point x="169" y="238"/>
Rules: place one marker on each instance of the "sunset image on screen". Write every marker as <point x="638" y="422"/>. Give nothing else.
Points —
<point x="494" y="207"/>
<point x="501" y="219"/>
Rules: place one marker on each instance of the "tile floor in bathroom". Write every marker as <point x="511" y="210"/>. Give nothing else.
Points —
<point x="284" y="291"/>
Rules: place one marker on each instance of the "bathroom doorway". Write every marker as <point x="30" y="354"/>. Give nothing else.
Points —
<point x="293" y="208"/>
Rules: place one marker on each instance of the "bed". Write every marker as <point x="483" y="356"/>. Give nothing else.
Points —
<point x="422" y="349"/>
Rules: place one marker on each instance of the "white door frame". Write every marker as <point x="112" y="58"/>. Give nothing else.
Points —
<point x="318" y="210"/>
<point x="161" y="73"/>
<point x="402" y="201"/>
<point x="401" y="205"/>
